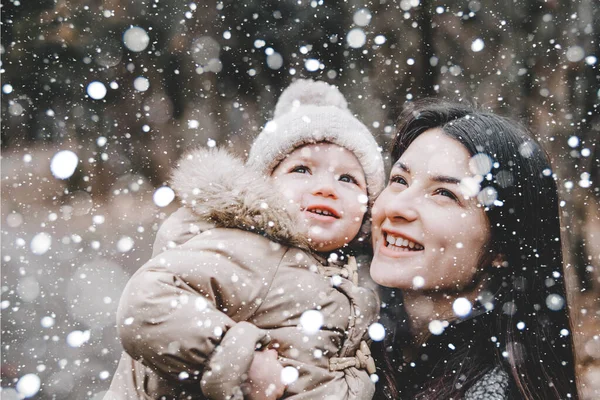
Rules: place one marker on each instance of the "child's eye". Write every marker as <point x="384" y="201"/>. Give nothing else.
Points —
<point x="446" y="193"/>
<point x="300" y="169"/>
<point x="348" y="178"/>
<point x="398" y="179"/>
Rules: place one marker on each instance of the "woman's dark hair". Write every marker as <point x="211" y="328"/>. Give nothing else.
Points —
<point x="521" y="322"/>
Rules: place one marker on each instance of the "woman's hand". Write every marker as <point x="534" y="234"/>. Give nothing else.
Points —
<point x="264" y="376"/>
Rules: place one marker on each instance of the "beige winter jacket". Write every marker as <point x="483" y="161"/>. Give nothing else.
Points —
<point x="229" y="274"/>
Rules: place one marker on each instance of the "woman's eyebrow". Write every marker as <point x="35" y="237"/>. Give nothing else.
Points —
<point x="445" y="179"/>
<point x="402" y="166"/>
<point x="435" y="178"/>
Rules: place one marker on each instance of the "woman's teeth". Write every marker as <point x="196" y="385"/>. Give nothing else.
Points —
<point x="402" y="244"/>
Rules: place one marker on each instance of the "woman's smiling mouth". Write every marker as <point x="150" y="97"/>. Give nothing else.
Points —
<point x="400" y="244"/>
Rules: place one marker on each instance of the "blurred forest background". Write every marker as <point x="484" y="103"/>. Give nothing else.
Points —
<point x="100" y="98"/>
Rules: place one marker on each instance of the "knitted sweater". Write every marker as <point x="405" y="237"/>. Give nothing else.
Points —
<point x="492" y="386"/>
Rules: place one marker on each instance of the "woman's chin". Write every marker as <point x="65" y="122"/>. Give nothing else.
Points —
<point x="395" y="272"/>
<point x="382" y="276"/>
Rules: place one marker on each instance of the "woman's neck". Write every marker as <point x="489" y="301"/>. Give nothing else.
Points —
<point x="425" y="307"/>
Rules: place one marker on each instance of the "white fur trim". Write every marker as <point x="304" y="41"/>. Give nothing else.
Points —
<point x="219" y="188"/>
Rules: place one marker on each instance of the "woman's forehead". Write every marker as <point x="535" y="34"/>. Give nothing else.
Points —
<point x="434" y="152"/>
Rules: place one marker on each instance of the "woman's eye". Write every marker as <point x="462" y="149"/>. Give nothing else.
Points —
<point x="348" y="178"/>
<point x="398" y="179"/>
<point x="446" y="193"/>
<point x="300" y="169"/>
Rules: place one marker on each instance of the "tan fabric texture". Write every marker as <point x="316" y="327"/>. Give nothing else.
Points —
<point x="223" y="281"/>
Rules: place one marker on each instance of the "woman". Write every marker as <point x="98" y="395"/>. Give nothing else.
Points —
<point x="468" y="229"/>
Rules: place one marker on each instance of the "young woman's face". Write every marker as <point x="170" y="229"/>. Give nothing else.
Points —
<point x="426" y="234"/>
<point x="327" y="183"/>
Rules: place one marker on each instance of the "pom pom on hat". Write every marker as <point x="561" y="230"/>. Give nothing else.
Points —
<point x="310" y="112"/>
<point x="306" y="92"/>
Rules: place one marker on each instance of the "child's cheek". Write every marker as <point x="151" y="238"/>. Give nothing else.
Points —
<point x="288" y="194"/>
<point x="287" y="191"/>
<point x="362" y="200"/>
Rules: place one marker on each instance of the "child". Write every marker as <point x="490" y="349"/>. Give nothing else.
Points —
<point x="258" y="256"/>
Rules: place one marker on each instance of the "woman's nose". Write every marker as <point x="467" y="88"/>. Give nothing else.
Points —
<point x="401" y="206"/>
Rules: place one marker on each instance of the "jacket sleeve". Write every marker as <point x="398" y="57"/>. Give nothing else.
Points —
<point x="179" y="314"/>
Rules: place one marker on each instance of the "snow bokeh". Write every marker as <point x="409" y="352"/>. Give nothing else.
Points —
<point x="125" y="244"/>
<point x="289" y="375"/>
<point x="461" y="307"/>
<point x="480" y="164"/>
<point x="311" y="321"/>
<point x="312" y="64"/>
<point x="41" y="243"/>
<point x="437" y="327"/>
<point x="376" y="332"/>
<point x="63" y="164"/>
<point x="362" y="17"/>
<point x="78" y="338"/>
<point x="28" y="385"/>
<point x="418" y="282"/>
<point x="136" y="39"/>
<point x="96" y="90"/>
<point x="163" y="196"/>
<point x="356" y="38"/>
<point x="141" y="84"/>
<point x="477" y="45"/>
<point x="555" y="302"/>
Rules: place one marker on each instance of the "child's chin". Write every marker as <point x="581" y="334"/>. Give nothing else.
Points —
<point x="322" y="245"/>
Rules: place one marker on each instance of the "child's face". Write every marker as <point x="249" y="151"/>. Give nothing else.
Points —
<point x="328" y="185"/>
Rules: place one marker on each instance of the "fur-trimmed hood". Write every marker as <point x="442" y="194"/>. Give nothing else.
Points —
<point x="219" y="188"/>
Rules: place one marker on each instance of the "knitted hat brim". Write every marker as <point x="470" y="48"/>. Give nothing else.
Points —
<point x="310" y="124"/>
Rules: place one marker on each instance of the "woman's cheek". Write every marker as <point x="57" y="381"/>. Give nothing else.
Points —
<point x="377" y="216"/>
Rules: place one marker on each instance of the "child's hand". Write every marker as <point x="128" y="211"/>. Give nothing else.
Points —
<point x="264" y="376"/>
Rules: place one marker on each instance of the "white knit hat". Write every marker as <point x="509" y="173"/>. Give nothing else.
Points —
<point x="310" y="112"/>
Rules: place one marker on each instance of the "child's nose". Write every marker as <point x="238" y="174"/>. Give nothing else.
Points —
<point x="325" y="189"/>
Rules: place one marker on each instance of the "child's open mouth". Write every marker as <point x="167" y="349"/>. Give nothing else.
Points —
<point x="400" y="244"/>
<point x="323" y="211"/>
